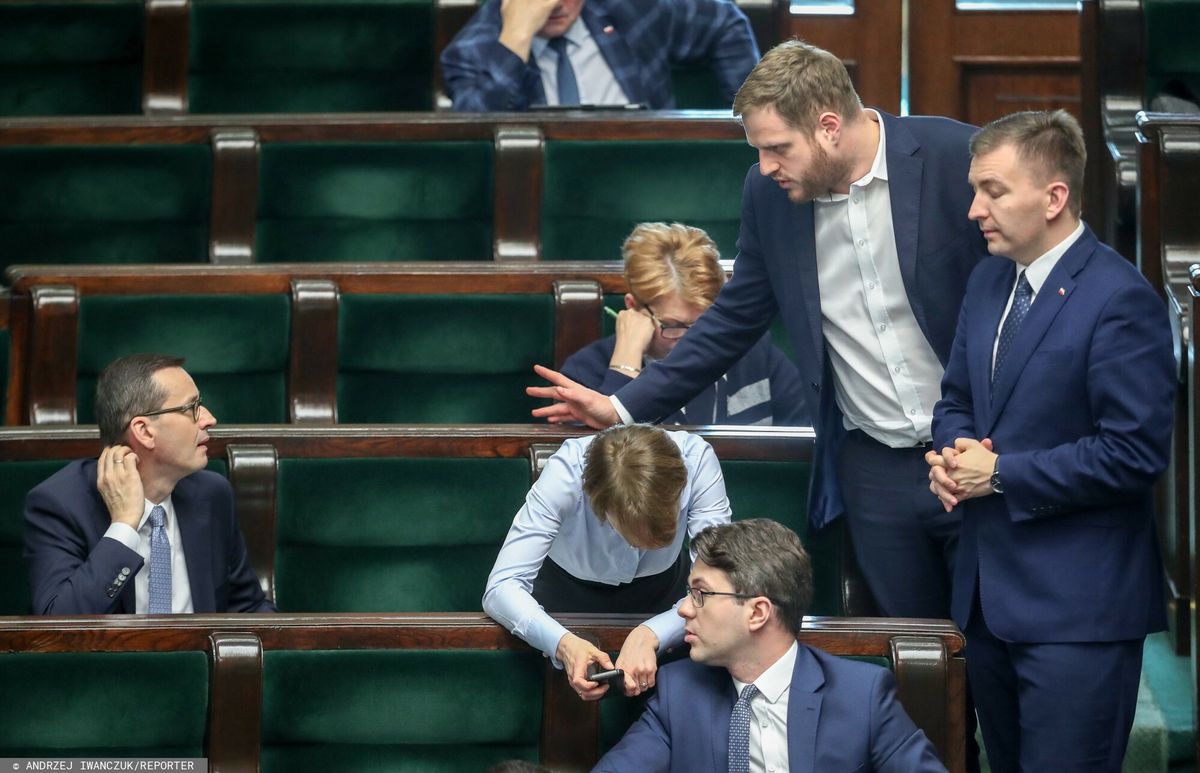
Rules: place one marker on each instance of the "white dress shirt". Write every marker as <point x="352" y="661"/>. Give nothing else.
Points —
<point x="768" y="715"/>
<point x="558" y="521"/>
<point x="886" y="375"/>
<point x="139" y="540"/>
<point x="597" y="84"/>
<point x="1035" y="273"/>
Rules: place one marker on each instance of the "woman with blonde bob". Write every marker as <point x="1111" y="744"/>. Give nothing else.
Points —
<point x="674" y="273"/>
<point x="602" y="531"/>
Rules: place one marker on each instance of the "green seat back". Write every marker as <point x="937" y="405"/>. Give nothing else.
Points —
<point x="308" y="56"/>
<point x="596" y="192"/>
<point x="375" y="201"/>
<point x="5" y="354"/>
<point x="236" y="348"/>
<point x="398" y="535"/>
<point x="16" y="479"/>
<point x="1172" y="28"/>
<point x="71" y="58"/>
<point x="441" y="358"/>
<point x="399" y="711"/>
<point x="104" y="204"/>
<point x="97" y="704"/>
<point x="696" y="88"/>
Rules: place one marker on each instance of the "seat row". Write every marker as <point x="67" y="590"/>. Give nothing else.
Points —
<point x="370" y="692"/>
<point x="82" y="57"/>
<point x="233" y="189"/>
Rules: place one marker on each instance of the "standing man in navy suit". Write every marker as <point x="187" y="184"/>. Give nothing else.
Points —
<point x="145" y="528"/>
<point x="752" y="697"/>
<point x="854" y="229"/>
<point x="1055" y="421"/>
<point x="518" y="54"/>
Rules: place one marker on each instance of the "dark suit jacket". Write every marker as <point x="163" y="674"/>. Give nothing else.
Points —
<point x="842" y="716"/>
<point x="1081" y="418"/>
<point x="73" y="568"/>
<point x="776" y="272"/>
<point x="639" y="39"/>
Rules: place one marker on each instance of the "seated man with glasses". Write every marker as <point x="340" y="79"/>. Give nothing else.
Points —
<point x="145" y="529"/>
<point x="752" y="697"/>
<point x="674" y="274"/>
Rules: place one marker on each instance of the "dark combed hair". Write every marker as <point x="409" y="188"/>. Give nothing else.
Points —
<point x="762" y="558"/>
<point x="126" y="388"/>
<point x="1050" y="141"/>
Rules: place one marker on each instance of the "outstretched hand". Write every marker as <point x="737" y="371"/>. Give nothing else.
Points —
<point x="575" y="401"/>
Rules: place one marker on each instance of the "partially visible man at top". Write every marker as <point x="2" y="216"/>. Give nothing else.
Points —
<point x="854" y="229"/>
<point x="517" y="54"/>
<point x="145" y="529"/>
<point x="674" y="273"/>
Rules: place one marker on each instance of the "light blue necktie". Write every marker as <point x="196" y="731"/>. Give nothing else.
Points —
<point x="568" y="88"/>
<point x="160" y="563"/>
<point x="1022" y="298"/>
<point x="739" y="732"/>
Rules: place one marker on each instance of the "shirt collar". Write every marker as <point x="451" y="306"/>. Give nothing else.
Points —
<point x="878" y="170"/>
<point x="1037" y="271"/>
<point x="577" y="33"/>
<point x="776" y="680"/>
<point x="167" y="507"/>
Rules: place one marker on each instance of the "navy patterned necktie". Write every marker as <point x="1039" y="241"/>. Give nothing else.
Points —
<point x="160" y="564"/>
<point x="739" y="732"/>
<point x="568" y="88"/>
<point x="1022" y="298"/>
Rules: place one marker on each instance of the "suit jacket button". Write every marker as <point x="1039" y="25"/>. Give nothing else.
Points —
<point x="124" y="571"/>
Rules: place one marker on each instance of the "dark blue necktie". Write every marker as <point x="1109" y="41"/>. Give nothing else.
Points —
<point x="568" y="88"/>
<point x="1022" y="298"/>
<point x="739" y="731"/>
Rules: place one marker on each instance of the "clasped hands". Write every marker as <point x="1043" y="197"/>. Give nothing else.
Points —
<point x="962" y="472"/>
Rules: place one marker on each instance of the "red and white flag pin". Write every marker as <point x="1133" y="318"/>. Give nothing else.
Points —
<point x="1062" y="291"/>
<point x="609" y="30"/>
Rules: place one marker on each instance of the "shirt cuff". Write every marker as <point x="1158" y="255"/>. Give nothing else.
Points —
<point x="668" y="627"/>
<point x="123" y="533"/>
<point x="626" y="417"/>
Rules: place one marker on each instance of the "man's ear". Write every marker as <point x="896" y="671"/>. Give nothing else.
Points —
<point x="1058" y="195"/>
<point x="829" y="125"/>
<point x="761" y="612"/>
<point x="140" y="433"/>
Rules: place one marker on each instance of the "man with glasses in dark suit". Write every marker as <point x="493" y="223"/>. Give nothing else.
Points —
<point x="144" y="529"/>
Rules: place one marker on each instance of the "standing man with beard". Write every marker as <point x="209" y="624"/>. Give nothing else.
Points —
<point x="855" y="230"/>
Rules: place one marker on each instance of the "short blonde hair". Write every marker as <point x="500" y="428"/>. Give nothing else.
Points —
<point x="634" y="475"/>
<point x="662" y="259"/>
<point x="800" y="81"/>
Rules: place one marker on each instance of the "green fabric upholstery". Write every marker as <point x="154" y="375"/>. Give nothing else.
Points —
<point x="398" y="535"/>
<point x="375" y="201"/>
<point x="124" y="704"/>
<point x="396" y="711"/>
<point x="5" y="354"/>
<point x="696" y="88"/>
<point x="16" y="479"/>
<point x="236" y="348"/>
<point x="269" y="56"/>
<point x="694" y="182"/>
<point x="441" y="358"/>
<point x="1172" y="28"/>
<point x="71" y="58"/>
<point x="104" y="204"/>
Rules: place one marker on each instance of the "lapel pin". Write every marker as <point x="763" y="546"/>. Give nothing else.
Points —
<point x="608" y="30"/>
<point x="1061" y="291"/>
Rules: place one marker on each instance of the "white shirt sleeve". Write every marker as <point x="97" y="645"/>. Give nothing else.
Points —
<point x="123" y="533"/>
<point x="626" y="416"/>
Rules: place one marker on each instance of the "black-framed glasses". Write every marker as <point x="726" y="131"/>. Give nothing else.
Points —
<point x="193" y="407"/>
<point x="669" y="329"/>
<point x="698" y="595"/>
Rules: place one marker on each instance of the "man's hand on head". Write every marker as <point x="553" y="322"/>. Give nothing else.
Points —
<point x="520" y="21"/>
<point x="576" y="402"/>
<point x="120" y="485"/>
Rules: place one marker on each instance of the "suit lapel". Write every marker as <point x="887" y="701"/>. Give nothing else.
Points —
<point x="904" y="171"/>
<point x="722" y="709"/>
<point x="804" y="711"/>
<point x="801" y="271"/>
<point x="1046" y="306"/>
<point x="615" y="52"/>
<point x="194" y="529"/>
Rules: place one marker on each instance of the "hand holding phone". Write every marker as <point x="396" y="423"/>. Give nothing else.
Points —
<point x="615" y="677"/>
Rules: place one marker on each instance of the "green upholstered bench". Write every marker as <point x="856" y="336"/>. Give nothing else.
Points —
<point x="369" y="201"/>
<point x="17" y="477"/>
<point x="70" y="58"/>
<point x="104" y="203"/>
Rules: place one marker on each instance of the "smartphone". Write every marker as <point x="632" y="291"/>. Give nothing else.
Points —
<point x="615" y="677"/>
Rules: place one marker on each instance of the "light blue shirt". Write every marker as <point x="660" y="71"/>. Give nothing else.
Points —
<point x="558" y="521"/>
<point x="597" y="84"/>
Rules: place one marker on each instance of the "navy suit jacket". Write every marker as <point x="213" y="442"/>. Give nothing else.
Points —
<point x="1081" y="417"/>
<point x="776" y="272"/>
<point x="639" y="39"/>
<point x="842" y="715"/>
<point x="73" y="567"/>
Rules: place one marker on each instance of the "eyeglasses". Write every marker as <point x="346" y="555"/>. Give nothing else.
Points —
<point x="669" y="330"/>
<point x="193" y="407"/>
<point x="698" y="595"/>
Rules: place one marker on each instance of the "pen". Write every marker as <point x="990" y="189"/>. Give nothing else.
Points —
<point x="608" y="310"/>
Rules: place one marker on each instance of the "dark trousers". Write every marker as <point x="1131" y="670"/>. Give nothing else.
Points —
<point x="1061" y="707"/>
<point x="559" y="591"/>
